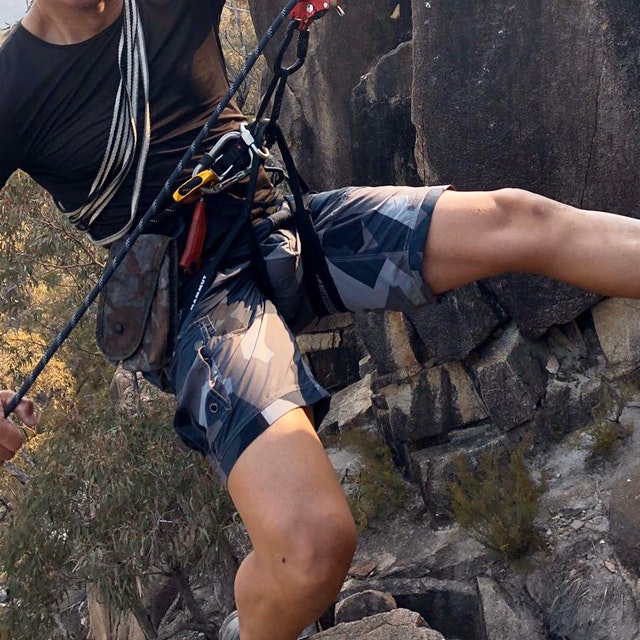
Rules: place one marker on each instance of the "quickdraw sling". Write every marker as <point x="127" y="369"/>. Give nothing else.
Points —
<point x="124" y="149"/>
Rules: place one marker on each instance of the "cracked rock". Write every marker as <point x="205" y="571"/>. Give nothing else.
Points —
<point x="400" y="624"/>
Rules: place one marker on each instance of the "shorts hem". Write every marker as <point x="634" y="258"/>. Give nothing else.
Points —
<point x="258" y="424"/>
<point x="418" y="239"/>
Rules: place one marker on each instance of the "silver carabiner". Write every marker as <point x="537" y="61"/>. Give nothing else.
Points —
<point x="249" y="140"/>
<point x="214" y="151"/>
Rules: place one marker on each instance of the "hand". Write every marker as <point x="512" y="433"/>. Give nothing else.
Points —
<point x="11" y="438"/>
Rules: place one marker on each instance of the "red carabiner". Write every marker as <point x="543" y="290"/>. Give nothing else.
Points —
<point x="306" y="11"/>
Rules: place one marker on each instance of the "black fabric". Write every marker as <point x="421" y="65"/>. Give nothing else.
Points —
<point x="56" y="103"/>
<point x="319" y="285"/>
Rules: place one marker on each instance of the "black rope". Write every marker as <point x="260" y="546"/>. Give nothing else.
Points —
<point x="278" y="83"/>
<point x="158" y="203"/>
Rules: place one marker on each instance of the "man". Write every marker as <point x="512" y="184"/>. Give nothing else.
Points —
<point x="245" y="397"/>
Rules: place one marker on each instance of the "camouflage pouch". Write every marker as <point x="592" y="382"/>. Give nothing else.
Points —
<point x="138" y="309"/>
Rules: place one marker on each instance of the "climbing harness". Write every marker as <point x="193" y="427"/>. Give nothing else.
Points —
<point x="225" y="164"/>
<point x="302" y="15"/>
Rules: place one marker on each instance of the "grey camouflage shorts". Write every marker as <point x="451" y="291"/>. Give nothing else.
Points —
<point x="237" y="368"/>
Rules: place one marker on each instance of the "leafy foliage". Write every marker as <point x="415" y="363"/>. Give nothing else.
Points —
<point x="379" y="487"/>
<point x="46" y="269"/>
<point x="497" y="501"/>
<point x="111" y="503"/>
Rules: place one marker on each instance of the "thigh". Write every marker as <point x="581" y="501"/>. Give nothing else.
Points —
<point x="236" y="371"/>
<point x="373" y="241"/>
<point x="289" y="496"/>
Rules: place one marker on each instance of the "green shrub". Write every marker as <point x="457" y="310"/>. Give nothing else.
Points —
<point x="607" y="438"/>
<point x="111" y="502"/>
<point x="606" y="433"/>
<point x="497" y="500"/>
<point x="380" y="488"/>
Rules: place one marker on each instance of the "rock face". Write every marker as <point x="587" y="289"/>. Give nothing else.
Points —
<point x="625" y="517"/>
<point x="342" y="51"/>
<point x="388" y="339"/>
<point x="617" y="324"/>
<point x="382" y="131"/>
<point x="512" y="379"/>
<point x="363" y="605"/>
<point x="432" y="402"/>
<point x="574" y="588"/>
<point x="489" y="110"/>
<point x="457" y="323"/>
<point x="400" y="624"/>
<point x="503" y="616"/>
<point x="536" y="303"/>
<point x="485" y="95"/>
<point x="541" y="96"/>
<point x="433" y="468"/>
<point x="568" y="128"/>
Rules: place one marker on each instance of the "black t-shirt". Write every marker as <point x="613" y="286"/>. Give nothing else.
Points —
<point x="56" y="103"/>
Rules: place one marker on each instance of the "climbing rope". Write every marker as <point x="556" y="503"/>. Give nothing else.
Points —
<point x="120" y="151"/>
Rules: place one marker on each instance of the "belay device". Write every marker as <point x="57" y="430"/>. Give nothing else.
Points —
<point x="302" y="15"/>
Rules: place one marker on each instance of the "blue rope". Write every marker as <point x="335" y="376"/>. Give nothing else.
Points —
<point x="158" y="203"/>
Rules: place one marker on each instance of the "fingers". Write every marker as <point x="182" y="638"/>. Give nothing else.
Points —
<point x="11" y="438"/>
<point x="6" y="454"/>
<point x="24" y="410"/>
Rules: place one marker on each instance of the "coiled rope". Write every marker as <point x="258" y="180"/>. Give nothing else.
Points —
<point x="120" y="152"/>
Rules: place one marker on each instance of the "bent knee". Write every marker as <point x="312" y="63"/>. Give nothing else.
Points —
<point x="513" y="206"/>
<point x="529" y="228"/>
<point x="480" y="234"/>
<point x="317" y="556"/>
<point x="324" y="549"/>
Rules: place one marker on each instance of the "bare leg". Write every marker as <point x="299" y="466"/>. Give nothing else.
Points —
<point x="476" y="235"/>
<point x="291" y="502"/>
